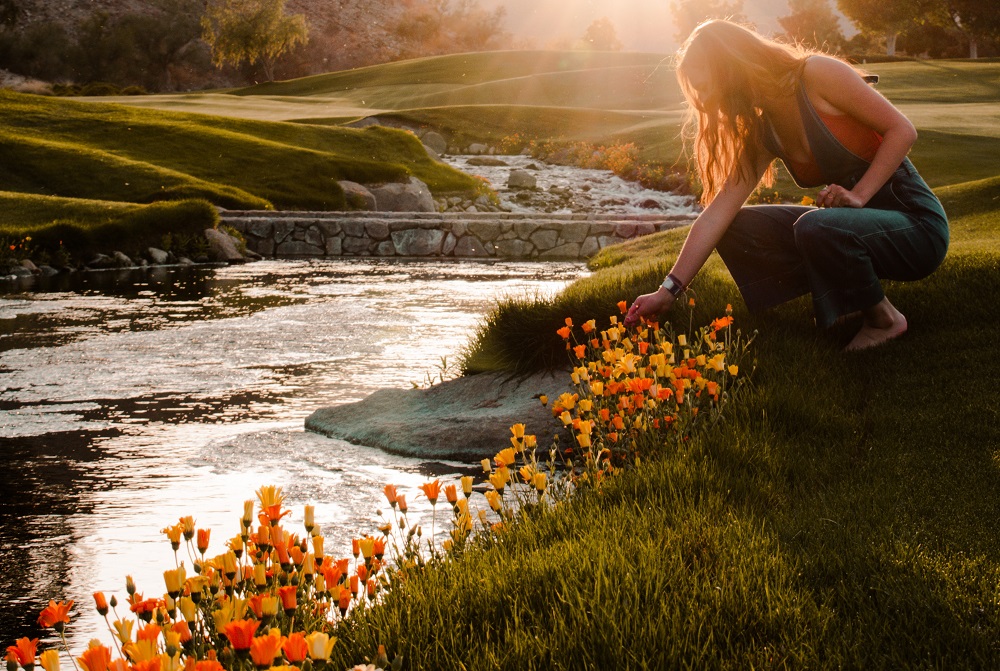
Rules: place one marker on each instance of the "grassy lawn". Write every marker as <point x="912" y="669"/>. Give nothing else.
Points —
<point x="845" y="516"/>
<point x="107" y="153"/>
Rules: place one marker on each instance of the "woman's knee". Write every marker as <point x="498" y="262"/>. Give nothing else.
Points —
<point x="818" y="230"/>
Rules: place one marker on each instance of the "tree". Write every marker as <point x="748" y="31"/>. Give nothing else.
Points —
<point x="977" y="21"/>
<point x="887" y="17"/>
<point x="430" y="27"/>
<point x="601" y="36"/>
<point x="812" y="23"/>
<point x="689" y="13"/>
<point x="255" y="31"/>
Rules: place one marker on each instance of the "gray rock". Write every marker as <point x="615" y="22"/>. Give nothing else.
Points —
<point x="377" y="230"/>
<point x="29" y="266"/>
<point x="413" y="196"/>
<point x="514" y="248"/>
<point x="355" y="246"/>
<point x="487" y="161"/>
<point x="418" y="242"/>
<point x="469" y="246"/>
<point x="222" y="246"/>
<point x="261" y="229"/>
<point x="157" y="256"/>
<point x="385" y="248"/>
<point x="465" y="419"/>
<point x="122" y="260"/>
<point x="333" y="247"/>
<point x="521" y="179"/>
<point x="435" y="142"/>
<point x="47" y="271"/>
<point x="298" y="248"/>
<point x="576" y="231"/>
<point x="477" y="148"/>
<point x="100" y="262"/>
<point x="357" y="196"/>
<point x="185" y="261"/>
<point x="545" y="239"/>
<point x="589" y="247"/>
<point x="449" y="244"/>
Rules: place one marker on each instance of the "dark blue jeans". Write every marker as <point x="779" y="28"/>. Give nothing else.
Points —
<point x="778" y="252"/>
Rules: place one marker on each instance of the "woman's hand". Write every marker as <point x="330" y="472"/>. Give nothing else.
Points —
<point x="837" y="196"/>
<point x="649" y="305"/>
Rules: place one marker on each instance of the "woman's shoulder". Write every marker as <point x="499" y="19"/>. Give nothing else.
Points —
<point x="820" y="68"/>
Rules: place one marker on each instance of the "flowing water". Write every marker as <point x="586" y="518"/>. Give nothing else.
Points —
<point x="130" y="399"/>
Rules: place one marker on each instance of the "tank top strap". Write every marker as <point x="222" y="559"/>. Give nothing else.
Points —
<point x="836" y="162"/>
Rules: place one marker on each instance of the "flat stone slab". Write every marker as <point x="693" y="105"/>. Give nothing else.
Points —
<point x="466" y="419"/>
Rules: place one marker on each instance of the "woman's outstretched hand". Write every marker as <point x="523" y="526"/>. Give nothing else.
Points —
<point x="648" y="305"/>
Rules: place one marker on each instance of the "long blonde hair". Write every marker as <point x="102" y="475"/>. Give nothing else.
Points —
<point x="744" y="68"/>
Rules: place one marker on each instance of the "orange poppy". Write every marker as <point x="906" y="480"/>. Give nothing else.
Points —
<point x="208" y="665"/>
<point x="391" y="494"/>
<point x="564" y="332"/>
<point x="263" y="649"/>
<point x="23" y="651"/>
<point x="623" y="306"/>
<point x="431" y="490"/>
<point x="203" y="536"/>
<point x="55" y="615"/>
<point x="287" y="594"/>
<point x="240" y="633"/>
<point x="148" y="665"/>
<point x="580" y="351"/>
<point x="295" y="647"/>
<point x="101" y="602"/>
<point x="95" y="658"/>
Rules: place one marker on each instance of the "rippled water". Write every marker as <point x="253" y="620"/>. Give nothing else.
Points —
<point x="129" y="400"/>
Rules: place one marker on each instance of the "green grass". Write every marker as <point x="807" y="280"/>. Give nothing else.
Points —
<point x="844" y="516"/>
<point x="113" y="153"/>
<point x="86" y="226"/>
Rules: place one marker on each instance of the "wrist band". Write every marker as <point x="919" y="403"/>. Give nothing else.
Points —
<point x="673" y="285"/>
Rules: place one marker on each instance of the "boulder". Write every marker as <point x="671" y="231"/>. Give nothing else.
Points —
<point x="222" y="246"/>
<point x="357" y="196"/>
<point x="466" y="419"/>
<point x="413" y="196"/>
<point x="435" y="142"/>
<point x="122" y="260"/>
<point x="157" y="256"/>
<point x="101" y="262"/>
<point x="29" y="266"/>
<point x="477" y="148"/>
<point x="418" y="242"/>
<point x="521" y="179"/>
<point x="487" y="161"/>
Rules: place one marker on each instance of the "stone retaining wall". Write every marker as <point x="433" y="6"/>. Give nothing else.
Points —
<point x="468" y="235"/>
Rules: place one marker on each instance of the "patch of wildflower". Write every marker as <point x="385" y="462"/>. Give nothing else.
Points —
<point x="640" y="391"/>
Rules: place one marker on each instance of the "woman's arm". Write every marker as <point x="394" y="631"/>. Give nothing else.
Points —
<point x="704" y="235"/>
<point x="837" y="88"/>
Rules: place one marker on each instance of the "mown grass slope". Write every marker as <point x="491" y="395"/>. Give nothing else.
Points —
<point x="113" y="153"/>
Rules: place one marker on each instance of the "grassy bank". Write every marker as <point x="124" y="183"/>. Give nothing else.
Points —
<point x="115" y="154"/>
<point x="845" y="516"/>
<point x="83" y="228"/>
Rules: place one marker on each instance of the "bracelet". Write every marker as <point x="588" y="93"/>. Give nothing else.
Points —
<point x="673" y="285"/>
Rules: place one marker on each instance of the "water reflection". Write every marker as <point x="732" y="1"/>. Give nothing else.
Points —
<point x="127" y="401"/>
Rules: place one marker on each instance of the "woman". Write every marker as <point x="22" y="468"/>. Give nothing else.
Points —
<point x="756" y="100"/>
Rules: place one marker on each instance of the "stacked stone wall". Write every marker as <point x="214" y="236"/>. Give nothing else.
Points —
<point x="482" y="235"/>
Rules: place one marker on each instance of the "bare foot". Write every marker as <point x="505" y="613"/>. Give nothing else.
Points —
<point x="843" y="319"/>
<point x="882" y="324"/>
